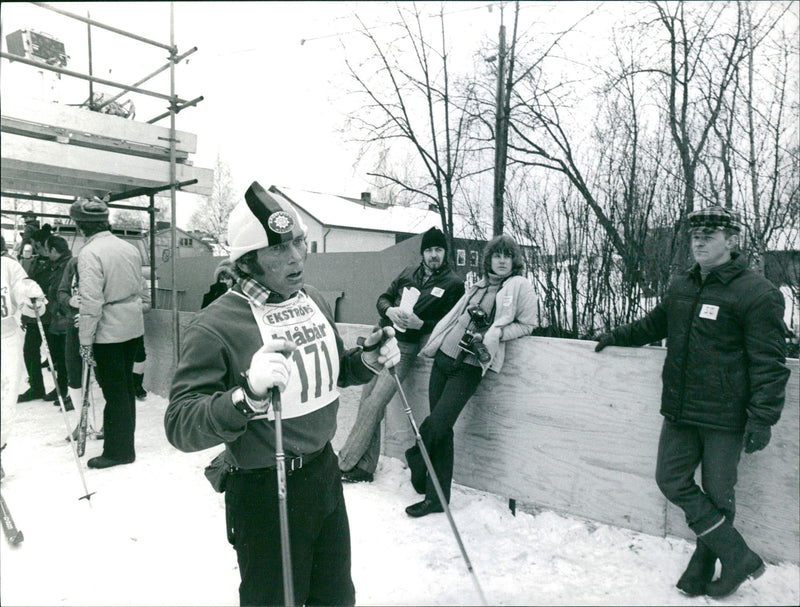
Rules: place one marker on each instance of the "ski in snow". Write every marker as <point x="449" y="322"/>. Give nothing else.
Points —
<point x="13" y="535"/>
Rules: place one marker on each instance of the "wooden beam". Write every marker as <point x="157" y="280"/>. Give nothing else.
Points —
<point x="67" y="119"/>
<point x="20" y="157"/>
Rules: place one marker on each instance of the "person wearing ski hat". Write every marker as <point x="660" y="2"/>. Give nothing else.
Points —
<point x="223" y="281"/>
<point x="724" y="382"/>
<point x="274" y="331"/>
<point x="439" y="289"/>
<point x="110" y="323"/>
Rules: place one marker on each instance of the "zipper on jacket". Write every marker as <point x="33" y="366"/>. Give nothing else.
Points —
<point x="682" y="393"/>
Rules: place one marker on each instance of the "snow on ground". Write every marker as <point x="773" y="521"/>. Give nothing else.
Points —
<point x="154" y="534"/>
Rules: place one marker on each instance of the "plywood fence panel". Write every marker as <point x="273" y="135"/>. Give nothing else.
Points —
<point x="565" y="428"/>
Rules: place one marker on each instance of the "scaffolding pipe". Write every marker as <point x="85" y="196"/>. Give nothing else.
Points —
<point x="146" y="78"/>
<point x="179" y="108"/>
<point x="153" y="250"/>
<point x="91" y="84"/>
<point x="176" y="336"/>
<point x="59" y="70"/>
<point x="170" y="48"/>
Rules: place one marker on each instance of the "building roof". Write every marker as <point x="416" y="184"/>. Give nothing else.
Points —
<point x="341" y="212"/>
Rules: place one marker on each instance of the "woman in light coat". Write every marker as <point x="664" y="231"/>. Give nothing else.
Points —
<point x="466" y="343"/>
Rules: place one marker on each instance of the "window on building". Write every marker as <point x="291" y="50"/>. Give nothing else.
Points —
<point x="313" y="246"/>
<point x="461" y="257"/>
<point x="473" y="258"/>
<point x="185" y="242"/>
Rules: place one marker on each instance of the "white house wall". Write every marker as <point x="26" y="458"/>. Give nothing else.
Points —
<point x="343" y="239"/>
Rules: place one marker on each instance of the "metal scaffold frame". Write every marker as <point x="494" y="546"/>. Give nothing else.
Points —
<point x="175" y="104"/>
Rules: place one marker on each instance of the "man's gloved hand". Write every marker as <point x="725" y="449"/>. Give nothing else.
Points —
<point x="87" y="355"/>
<point x="31" y="306"/>
<point x="398" y="317"/>
<point x="32" y="290"/>
<point x="756" y="436"/>
<point x="380" y="350"/>
<point x="413" y="321"/>
<point x="269" y="368"/>
<point x="606" y="339"/>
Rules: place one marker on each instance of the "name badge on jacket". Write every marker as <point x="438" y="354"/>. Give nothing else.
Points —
<point x="437" y="291"/>
<point x="708" y="311"/>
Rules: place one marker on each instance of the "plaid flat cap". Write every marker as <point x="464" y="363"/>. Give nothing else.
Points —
<point x="715" y="217"/>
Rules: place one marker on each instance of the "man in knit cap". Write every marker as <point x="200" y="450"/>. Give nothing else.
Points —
<point x="110" y="324"/>
<point x="273" y="331"/>
<point x="439" y="288"/>
<point x="724" y="382"/>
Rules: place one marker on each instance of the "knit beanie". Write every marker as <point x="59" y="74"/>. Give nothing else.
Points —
<point x="263" y="219"/>
<point x="433" y="238"/>
<point x="94" y="210"/>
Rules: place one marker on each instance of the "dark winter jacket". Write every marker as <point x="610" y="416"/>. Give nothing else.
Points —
<point x="438" y="294"/>
<point x="59" y="321"/>
<point x="725" y="350"/>
<point x="42" y="272"/>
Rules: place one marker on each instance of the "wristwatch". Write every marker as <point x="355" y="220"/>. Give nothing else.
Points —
<point x="239" y="400"/>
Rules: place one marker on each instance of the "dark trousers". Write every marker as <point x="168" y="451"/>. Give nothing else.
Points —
<point x="72" y="358"/>
<point x="319" y="534"/>
<point x="55" y="342"/>
<point x="681" y="449"/>
<point x="32" y="355"/>
<point x="451" y="385"/>
<point x="115" y="375"/>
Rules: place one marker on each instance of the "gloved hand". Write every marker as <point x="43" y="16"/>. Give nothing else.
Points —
<point x="31" y="289"/>
<point x="269" y="368"/>
<point x="398" y="317"/>
<point x="413" y="321"/>
<point x="380" y="350"/>
<point x="606" y="339"/>
<point x="31" y="306"/>
<point x="87" y="355"/>
<point x="756" y="436"/>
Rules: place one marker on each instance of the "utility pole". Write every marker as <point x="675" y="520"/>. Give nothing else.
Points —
<point x="501" y="134"/>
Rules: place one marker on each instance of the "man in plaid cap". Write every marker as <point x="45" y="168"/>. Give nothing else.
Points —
<point x="273" y="331"/>
<point x="110" y="324"/>
<point x="724" y="384"/>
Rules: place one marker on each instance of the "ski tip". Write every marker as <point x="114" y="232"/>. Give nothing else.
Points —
<point x="87" y="497"/>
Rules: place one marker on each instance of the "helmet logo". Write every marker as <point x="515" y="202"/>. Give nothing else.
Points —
<point x="280" y="222"/>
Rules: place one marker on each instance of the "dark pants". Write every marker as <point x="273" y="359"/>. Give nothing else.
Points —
<point x="72" y="358"/>
<point x="319" y="534"/>
<point x="451" y="385"/>
<point x="115" y="375"/>
<point x="55" y="342"/>
<point x="32" y="355"/>
<point x="681" y="449"/>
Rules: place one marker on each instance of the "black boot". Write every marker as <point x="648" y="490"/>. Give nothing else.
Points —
<point x="424" y="508"/>
<point x="738" y="562"/>
<point x="416" y="464"/>
<point x="30" y="395"/>
<point x="140" y="392"/>
<point x="699" y="572"/>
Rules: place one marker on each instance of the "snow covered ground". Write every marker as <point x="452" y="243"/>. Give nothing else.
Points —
<point x="154" y="534"/>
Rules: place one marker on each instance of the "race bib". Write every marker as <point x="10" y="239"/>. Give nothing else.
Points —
<point x="315" y="369"/>
<point x="708" y="311"/>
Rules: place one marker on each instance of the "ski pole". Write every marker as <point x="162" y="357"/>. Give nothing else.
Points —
<point x="280" y="459"/>
<point x="436" y="485"/>
<point x="88" y="495"/>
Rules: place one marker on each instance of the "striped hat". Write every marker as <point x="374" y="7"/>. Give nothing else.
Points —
<point x="715" y="217"/>
<point x="263" y="219"/>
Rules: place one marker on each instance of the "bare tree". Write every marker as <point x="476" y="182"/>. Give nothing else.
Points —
<point x="211" y="216"/>
<point x="411" y="103"/>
